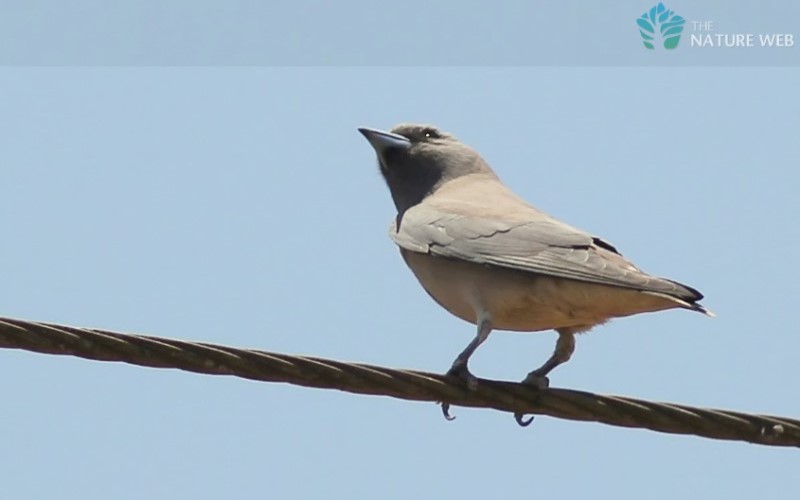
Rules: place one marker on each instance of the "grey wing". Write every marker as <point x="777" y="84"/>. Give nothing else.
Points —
<point x="540" y="245"/>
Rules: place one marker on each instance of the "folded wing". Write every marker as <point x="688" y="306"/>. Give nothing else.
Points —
<point x="540" y="245"/>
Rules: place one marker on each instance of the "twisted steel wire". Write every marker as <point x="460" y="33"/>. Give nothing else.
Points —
<point x="360" y="378"/>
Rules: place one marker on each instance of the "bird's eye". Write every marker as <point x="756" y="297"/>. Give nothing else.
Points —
<point x="431" y="133"/>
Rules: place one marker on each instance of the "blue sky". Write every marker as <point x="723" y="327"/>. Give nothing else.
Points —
<point x="239" y="205"/>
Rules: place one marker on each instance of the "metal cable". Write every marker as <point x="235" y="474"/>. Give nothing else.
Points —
<point x="359" y="378"/>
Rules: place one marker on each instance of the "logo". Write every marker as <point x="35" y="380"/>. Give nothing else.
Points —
<point x="660" y="26"/>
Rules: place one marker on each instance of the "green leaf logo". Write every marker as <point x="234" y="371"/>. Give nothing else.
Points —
<point x="661" y="26"/>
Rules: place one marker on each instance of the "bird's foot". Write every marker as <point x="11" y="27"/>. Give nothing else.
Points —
<point x="539" y="381"/>
<point x="461" y="371"/>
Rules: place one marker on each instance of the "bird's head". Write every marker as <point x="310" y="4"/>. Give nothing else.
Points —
<point x="416" y="160"/>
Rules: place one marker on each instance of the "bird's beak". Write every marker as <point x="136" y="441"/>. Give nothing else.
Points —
<point x="383" y="141"/>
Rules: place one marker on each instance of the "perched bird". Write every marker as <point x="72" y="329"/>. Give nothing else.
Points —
<point x="492" y="259"/>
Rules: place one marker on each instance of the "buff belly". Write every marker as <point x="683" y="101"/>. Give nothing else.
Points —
<point x="522" y="301"/>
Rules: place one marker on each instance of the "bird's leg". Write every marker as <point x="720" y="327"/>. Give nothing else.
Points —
<point x="459" y="367"/>
<point x="565" y="346"/>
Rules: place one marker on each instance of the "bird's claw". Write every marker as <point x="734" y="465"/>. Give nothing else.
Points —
<point x="461" y="371"/>
<point x="541" y="382"/>
<point x="446" y="412"/>
<point x="520" y="418"/>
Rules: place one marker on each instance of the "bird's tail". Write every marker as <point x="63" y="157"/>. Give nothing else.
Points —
<point x="701" y="309"/>
<point x="684" y="303"/>
<point x="686" y="297"/>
